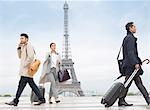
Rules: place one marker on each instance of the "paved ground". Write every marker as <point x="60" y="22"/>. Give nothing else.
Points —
<point x="75" y="103"/>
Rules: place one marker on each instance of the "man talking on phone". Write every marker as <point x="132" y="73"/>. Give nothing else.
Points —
<point x="26" y="56"/>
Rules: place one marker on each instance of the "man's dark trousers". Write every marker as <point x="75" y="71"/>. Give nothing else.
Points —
<point x="139" y="84"/>
<point x="22" y="83"/>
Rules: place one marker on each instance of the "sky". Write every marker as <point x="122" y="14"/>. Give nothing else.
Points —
<point x="96" y="31"/>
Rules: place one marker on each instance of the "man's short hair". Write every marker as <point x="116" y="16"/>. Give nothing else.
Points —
<point x="25" y="35"/>
<point x="128" y="25"/>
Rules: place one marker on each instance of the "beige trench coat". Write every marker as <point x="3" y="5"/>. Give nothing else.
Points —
<point x="47" y="68"/>
<point x="26" y="55"/>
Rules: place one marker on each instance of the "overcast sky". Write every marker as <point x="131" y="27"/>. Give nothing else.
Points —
<point x="96" y="31"/>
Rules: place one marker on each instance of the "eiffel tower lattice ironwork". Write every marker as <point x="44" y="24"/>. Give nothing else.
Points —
<point x="74" y="86"/>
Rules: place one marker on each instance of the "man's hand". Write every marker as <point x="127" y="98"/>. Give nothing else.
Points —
<point x="20" y="45"/>
<point x="137" y="66"/>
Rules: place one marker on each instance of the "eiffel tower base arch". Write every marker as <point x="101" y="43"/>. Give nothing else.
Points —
<point x="74" y="88"/>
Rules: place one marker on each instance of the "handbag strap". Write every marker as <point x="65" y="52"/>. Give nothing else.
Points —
<point x="120" y="49"/>
<point x="59" y="66"/>
<point x="34" y="53"/>
<point x="119" y="52"/>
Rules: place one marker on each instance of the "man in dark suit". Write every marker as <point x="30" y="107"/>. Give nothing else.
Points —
<point x="131" y="61"/>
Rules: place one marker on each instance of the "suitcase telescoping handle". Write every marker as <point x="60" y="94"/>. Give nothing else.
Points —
<point x="130" y="78"/>
<point x="134" y="73"/>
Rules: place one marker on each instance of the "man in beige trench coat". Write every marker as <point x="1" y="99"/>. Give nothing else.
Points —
<point x="26" y="55"/>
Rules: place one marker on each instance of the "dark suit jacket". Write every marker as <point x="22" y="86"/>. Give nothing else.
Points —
<point x="130" y="54"/>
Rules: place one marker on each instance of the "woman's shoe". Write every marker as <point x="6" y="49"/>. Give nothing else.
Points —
<point x="57" y="100"/>
<point x="50" y="102"/>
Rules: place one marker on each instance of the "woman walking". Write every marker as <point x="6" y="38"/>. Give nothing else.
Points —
<point x="50" y="72"/>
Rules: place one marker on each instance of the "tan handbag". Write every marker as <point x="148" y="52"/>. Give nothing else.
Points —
<point x="33" y="67"/>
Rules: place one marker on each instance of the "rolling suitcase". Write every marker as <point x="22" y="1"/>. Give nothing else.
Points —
<point x="115" y="91"/>
<point x="34" y="98"/>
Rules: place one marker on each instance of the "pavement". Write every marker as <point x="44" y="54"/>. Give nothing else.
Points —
<point x="74" y="103"/>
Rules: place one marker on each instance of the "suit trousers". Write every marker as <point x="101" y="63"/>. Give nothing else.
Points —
<point x="138" y="82"/>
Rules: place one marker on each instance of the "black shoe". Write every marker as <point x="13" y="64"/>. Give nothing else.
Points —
<point x="58" y="101"/>
<point x="40" y="102"/>
<point x="50" y="102"/>
<point x="124" y="103"/>
<point x="14" y="102"/>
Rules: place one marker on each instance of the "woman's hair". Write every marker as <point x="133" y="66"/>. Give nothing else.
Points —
<point x="51" y="44"/>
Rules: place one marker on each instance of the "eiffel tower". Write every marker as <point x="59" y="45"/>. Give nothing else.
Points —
<point x="74" y="86"/>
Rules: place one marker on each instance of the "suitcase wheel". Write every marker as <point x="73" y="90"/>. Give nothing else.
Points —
<point x="102" y="101"/>
<point x="107" y="105"/>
